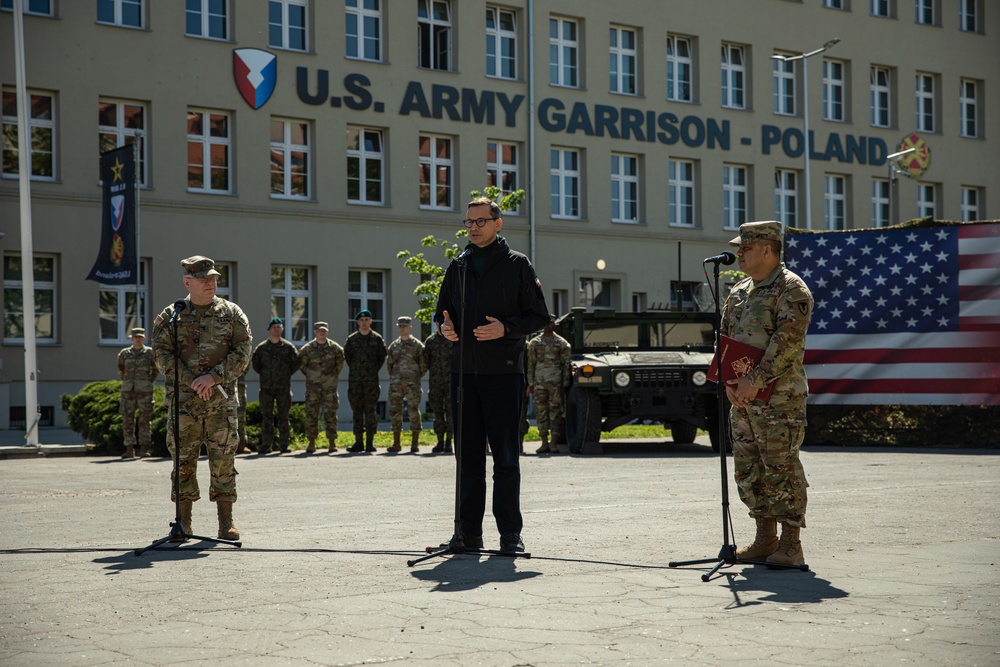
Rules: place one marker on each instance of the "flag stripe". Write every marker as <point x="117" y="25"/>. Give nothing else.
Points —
<point x="944" y="355"/>
<point x="923" y="386"/>
<point x="920" y="372"/>
<point x="857" y="397"/>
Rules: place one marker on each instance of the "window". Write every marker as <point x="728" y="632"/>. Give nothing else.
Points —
<point x="734" y="196"/>
<point x="880" y="202"/>
<point x="502" y="166"/>
<point x="118" y="310"/>
<point x="680" y="185"/>
<point x="289" y="158"/>
<point x="680" y="65"/>
<point x="564" y="171"/>
<point x="39" y="7"/>
<point x="286" y="24"/>
<point x="364" y="29"/>
<point x="624" y="188"/>
<point x="639" y="300"/>
<point x="968" y="108"/>
<point x="968" y="15"/>
<point x="733" y="76"/>
<point x="437" y="167"/>
<point x="207" y="18"/>
<point x="879" y="88"/>
<point x="786" y="200"/>
<point x="291" y="300"/>
<point x="833" y="90"/>
<point x="501" y="43"/>
<point x="926" y="200"/>
<point x="624" y="56"/>
<point x="45" y="279"/>
<point x="209" y="150"/>
<point x="41" y="130"/>
<point x="366" y="289"/>
<point x="599" y="293"/>
<point x="683" y="295"/>
<point x="879" y="8"/>
<point x="365" y="166"/>
<point x="564" y="53"/>
<point x="434" y="34"/>
<point x="124" y="13"/>
<point x="225" y="289"/>
<point x="119" y="122"/>
<point x="925" y="102"/>
<point x="784" y="86"/>
<point x="925" y="10"/>
<point x="834" y="4"/>
<point x="970" y="204"/>
<point x="560" y="298"/>
<point x="835" y="201"/>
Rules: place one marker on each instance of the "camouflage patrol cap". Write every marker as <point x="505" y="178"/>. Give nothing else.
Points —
<point x="403" y="321"/>
<point x="322" y="325"/>
<point x="137" y="331"/>
<point x="199" y="267"/>
<point x="751" y="232"/>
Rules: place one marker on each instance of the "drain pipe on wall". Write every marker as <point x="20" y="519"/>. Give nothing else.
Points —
<point x="531" y="132"/>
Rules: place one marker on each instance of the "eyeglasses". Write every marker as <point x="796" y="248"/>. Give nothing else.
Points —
<point x="478" y="221"/>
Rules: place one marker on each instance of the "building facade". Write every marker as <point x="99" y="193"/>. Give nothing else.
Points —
<point x="303" y="143"/>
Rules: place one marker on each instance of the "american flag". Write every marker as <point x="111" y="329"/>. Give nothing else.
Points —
<point x="903" y="316"/>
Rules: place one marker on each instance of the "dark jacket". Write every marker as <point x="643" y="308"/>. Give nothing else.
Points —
<point x="507" y="290"/>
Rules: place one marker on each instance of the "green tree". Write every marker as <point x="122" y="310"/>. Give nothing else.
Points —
<point x="432" y="274"/>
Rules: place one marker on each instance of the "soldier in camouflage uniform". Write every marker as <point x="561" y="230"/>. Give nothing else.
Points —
<point x="213" y="339"/>
<point x="437" y="356"/>
<point x="364" y="352"/>
<point x="548" y="374"/>
<point x="275" y="360"/>
<point x="137" y="371"/>
<point x="406" y="365"/>
<point x="769" y="310"/>
<point x="321" y="361"/>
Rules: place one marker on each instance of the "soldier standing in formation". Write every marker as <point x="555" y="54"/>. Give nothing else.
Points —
<point x="137" y="371"/>
<point x="321" y="361"/>
<point x="770" y="310"/>
<point x="406" y="364"/>
<point x="364" y="352"/>
<point x="241" y="416"/>
<point x="275" y="360"/>
<point x="548" y="374"/>
<point x="437" y="357"/>
<point x="213" y="339"/>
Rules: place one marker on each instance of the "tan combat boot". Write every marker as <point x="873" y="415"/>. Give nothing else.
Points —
<point x="312" y="446"/>
<point x="185" y="520"/>
<point x="144" y="451"/>
<point x="395" y="442"/>
<point x="227" y="529"/>
<point x="129" y="452"/>
<point x="765" y="543"/>
<point x="415" y="442"/>
<point x="333" y="446"/>
<point x="789" y="548"/>
<point x="545" y="445"/>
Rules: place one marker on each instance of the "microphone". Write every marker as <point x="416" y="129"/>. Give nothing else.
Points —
<point x="726" y="258"/>
<point x="465" y="253"/>
<point x="179" y="306"/>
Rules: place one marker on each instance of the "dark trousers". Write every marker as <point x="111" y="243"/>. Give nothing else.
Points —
<point x="491" y="410"/>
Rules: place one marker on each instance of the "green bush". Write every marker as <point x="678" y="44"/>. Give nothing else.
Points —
<point x="95" y="414"/>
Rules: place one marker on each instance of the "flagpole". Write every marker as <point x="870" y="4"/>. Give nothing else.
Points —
<point x="31" y="415"/>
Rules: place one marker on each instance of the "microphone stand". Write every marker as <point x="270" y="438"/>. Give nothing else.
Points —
<point x="177" y="532"/>
<point x="457" y="544"/>
<point x="727" y="555"/>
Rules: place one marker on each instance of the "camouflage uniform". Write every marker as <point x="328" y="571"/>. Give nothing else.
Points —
<point x="437" y="356"/>
<point x="548" y="375"/>
<point x="364" y="356"/>
<point x="772" y="315"/>
<point x="406" y="364"/>
<point x="321" y="364"/>
<point x="241" y="414"/>
<point x="275" y="363"/>
<point x="137" y="371"/>
<point x="214" y="339"/>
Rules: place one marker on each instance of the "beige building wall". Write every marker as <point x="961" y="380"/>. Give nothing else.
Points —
<point x="80" y="61"/>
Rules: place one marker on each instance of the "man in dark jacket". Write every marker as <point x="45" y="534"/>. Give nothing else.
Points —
<point x="275" y="360"/>
<point x="503" y="304"/>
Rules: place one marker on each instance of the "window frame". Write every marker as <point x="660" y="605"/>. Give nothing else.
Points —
<point x="968" y="108"/>
<point x="926" y="12"/>
<point x="429" y="51"/>
<point x="205" y="15"/>
<point x="927" y="199"/>
<point x="881" y="199"/>
<point x="499" y="168"/>
<point x="206" y="141"/>
<point x="17" y="284"/>
<point x="785" y="195"/>
<point x="118" y="7"/>
<point x="559" y="177"/>
<point x="297" y="329"/>
<point x="734" y="77"/>
<point x="364" y="158"/>
<point x="735" y="196"/>
<point x="562" y="48"/>
<point x="363" y="38"/>
<point x="835" y="202"/>
<point x="834" y="90"/>
<point x="619" y="56"/>
<point x="969" y="210"/>
<point x="366" y="298"/>
<point x="433" y="164"/>
<point x="626" y="184"/>
<point x="784" y="87"/>
<point x="285" y="25"/>
<point x="880" y="96"/>
<point x="679" y="65"/>
<point x="124" y="136"/>
<point x="926" y="103"/>
<point x="35" y="126"/>
<point x="123" y="323"/>
<point x="288" y="150"/>
<point x="8" y="6"/>
<point x="677" y="185"/>
<point x="496" y="38"/>
<point x="880" y="8"/>
<point x="969" y="11"/>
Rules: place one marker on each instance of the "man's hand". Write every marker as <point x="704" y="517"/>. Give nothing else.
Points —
<point x="495" y="329"/>
<point x="740" y="392"/>
<point x="203" y="385"/>
<point x="448" y="328"/>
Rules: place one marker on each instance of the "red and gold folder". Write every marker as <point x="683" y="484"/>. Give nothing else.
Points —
<point x="738" y="359"/>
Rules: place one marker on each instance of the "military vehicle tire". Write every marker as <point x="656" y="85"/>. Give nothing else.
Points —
<point x="583" y="418"/>
<point x="683" y="432"/>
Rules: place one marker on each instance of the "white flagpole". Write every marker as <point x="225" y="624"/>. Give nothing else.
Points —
<point x="31" y="413"/>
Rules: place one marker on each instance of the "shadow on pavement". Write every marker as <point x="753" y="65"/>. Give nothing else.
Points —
<point x="466" y="572"/>
<point x="785" y="586"/>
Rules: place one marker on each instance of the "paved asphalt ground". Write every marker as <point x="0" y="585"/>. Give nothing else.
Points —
<point x="902" y="547"/>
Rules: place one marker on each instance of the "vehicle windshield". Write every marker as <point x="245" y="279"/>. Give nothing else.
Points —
<point x="617" y="335"/>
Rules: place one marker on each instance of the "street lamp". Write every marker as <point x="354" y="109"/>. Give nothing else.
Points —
<point x="892" y="177"/>
<point x="804" y="57"/>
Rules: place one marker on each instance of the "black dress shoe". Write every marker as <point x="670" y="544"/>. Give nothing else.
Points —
<point x="511" y="542"/>
<point x="472" y="541"/>
<point x="356" y="448"/>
